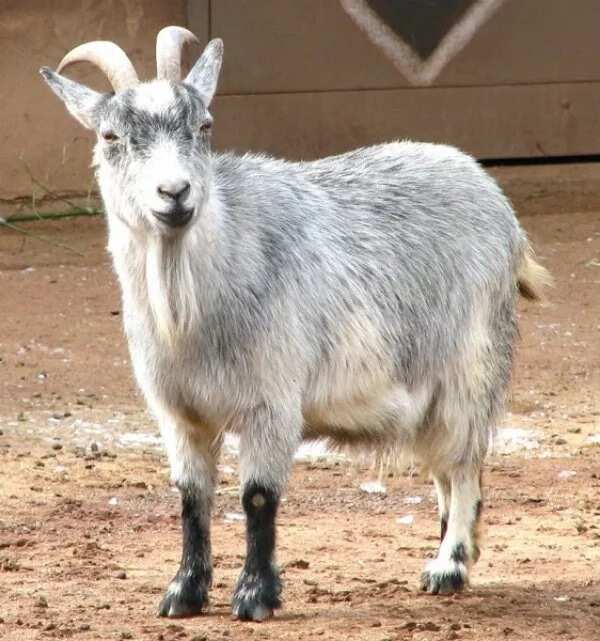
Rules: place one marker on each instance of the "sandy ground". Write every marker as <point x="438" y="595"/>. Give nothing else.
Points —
<point x="89" y="530"/>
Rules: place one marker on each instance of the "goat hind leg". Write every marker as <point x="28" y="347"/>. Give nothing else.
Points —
<point x="443" y="491"/>
<point x="448" y="572"/>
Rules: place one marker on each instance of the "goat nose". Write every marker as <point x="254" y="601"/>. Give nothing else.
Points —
<point x="175" y="190"/>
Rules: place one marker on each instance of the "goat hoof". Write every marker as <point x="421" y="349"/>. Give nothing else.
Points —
<point x="182" y="600"/>
<point x="251" y="612"/>
<point x="256" y="596"/>
<point x="444" y="577"/>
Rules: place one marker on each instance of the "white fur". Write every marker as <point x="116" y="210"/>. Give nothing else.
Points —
<point x="155" y="96"/>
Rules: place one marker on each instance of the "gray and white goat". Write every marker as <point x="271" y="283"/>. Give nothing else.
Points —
<point x="367" y="298"/>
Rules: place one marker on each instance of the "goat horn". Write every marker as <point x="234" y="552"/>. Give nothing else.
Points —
<point x="109" y="58"/>
<point x="169" y="44"/>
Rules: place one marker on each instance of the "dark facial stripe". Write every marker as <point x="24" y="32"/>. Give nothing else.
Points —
<point x="180" y="122"/>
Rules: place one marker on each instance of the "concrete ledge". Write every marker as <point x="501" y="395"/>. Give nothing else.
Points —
<point x="550" y="189"/>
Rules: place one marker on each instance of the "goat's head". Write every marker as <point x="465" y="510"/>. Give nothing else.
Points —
<point x="153" y="148"/>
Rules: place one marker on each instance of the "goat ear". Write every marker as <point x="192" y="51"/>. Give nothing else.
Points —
<point x="205" y="73"/>
<point x="79" y="100"/>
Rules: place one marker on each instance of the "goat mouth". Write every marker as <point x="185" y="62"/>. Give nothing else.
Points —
<point x="177" y="217"/>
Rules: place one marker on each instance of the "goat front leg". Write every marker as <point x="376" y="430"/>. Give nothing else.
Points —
<point x="193" y="460"/>
<point x="268" y="442"/>
<point x="459" y="495"/>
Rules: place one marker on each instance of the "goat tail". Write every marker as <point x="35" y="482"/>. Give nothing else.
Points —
<point x="532" y="278"/>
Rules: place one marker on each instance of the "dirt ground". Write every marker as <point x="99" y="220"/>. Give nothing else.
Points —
<point x="89" y="529"/>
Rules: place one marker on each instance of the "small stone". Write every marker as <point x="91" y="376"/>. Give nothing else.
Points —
<point x="84" y="627"/>
<point x="94" y="447"/>
<point x="126" y="635"/>
<point x="41" y="602"/>
<point x="300" y="564"/>
<point x="121" y="574"/>
<point x="57" y="446"/>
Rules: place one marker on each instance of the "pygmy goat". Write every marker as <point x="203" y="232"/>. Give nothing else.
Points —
<point x="367" y="298"/>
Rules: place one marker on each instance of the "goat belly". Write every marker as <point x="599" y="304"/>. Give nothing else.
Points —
<point x="391" y="416"/>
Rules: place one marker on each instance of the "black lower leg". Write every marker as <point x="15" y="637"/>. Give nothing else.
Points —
<point x="188" y="591"/>
<point x="258" y="589"/>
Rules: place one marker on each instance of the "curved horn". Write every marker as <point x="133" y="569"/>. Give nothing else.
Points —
<point x="169" y="44"/>
<point x="109" y="58"/>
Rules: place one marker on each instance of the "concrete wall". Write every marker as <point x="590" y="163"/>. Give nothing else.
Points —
<point x="508" y="79"/>
<point x="304" y="78"/>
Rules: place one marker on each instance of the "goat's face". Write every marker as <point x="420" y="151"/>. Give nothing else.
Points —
<point x="153" y="149"/>
<point x="153" y="155"/>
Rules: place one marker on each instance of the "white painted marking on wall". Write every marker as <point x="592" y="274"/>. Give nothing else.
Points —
<point x="405" y="59"/>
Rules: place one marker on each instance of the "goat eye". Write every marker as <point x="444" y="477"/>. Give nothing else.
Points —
<point x="206" y="126"/>
<point x="110" y="136"/>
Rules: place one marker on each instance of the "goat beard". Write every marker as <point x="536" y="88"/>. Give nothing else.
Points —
<point x="169" y="279"/>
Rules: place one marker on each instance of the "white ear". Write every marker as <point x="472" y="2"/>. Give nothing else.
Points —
<point x="79" y="100"/>
<point x="205" y="73"/>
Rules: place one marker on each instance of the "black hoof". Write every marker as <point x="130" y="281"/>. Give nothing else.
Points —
<point x="183" y="600"/>
<point x="444" y="580"/>
<point x="256" y="596"/>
